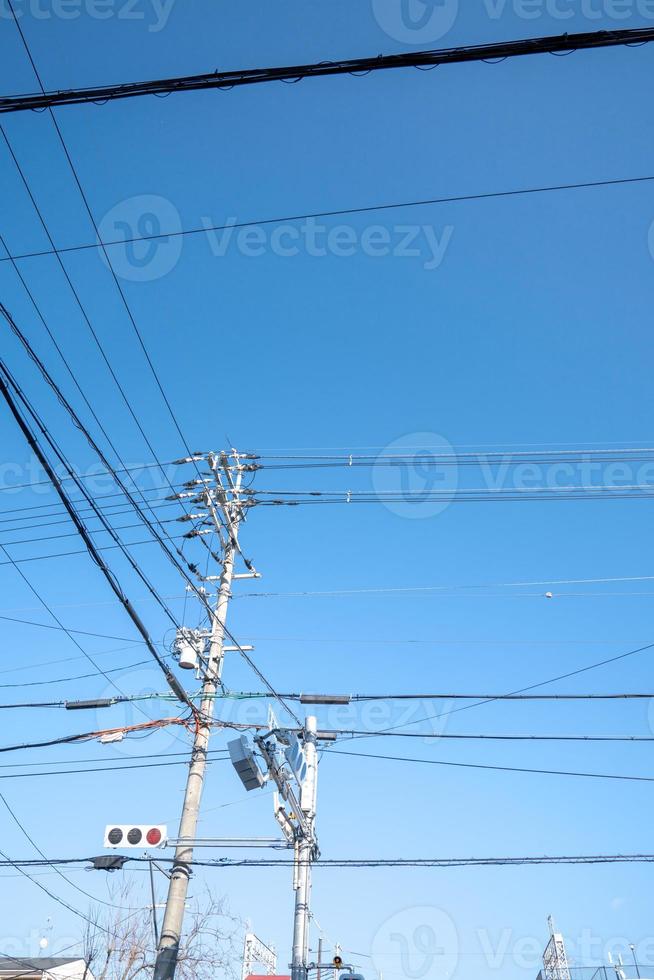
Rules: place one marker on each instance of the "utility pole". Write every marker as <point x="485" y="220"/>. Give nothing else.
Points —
<point x="305" y="848"/>
<point x="226" y="500"/>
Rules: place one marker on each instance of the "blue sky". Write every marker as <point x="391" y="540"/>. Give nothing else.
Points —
<point x="519" y="322"/>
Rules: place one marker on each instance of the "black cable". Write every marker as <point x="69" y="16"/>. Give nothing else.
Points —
<point x="97" y="232"/>
<point x="428" y="457"/>
<point x="293" y="73"/>
<point x="82" y="677"/>
<point x="92" y="476"/>
<point x="50" y="894"/>
<point x="341" y="212"/>
<point x="475" y="737"/>
<point x="104" y="769"/>
<point x="64" y="740"/>
<point x="66" y="629"/>
<point x="79" y="424"/>
<point x="471" y="765"/>
<point x="101" y="548"/>
<point x="113" y="510"/>
<point x="578" y="859"/>
<point x="119" y="758"/>
<point x="26" y="834"/>
<point x="533" y="687"/>
<point x="462" y="495"/>
<point x="73" y="534"/>
<point x="70" y="503"/>
<point x="82" y="489"/>
<point x="95" y="337"/>
<point x="172" y="681"/>
<point x="423" y="862"/>
<point x="58" y="347"/>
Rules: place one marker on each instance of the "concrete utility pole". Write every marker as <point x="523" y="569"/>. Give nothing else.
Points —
<point x="226" y="500"/>
<point x="305" y="846"/>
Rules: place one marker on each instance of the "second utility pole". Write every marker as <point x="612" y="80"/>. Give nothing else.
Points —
<point x="305" y="849"/>
<point x="171" y="930"/>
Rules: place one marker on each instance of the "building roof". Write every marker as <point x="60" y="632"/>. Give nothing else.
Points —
<point x="266" y="976"/>
<point x="38" y="965"/>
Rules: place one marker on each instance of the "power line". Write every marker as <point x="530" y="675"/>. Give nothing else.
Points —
<point x="61" y="353"/>
<point x="11" y="488"/>
<point x="150" y="727"/>
<point x="121" y="758"/>
<point x="60" y="901"/>
<point x="12" y="813"/>
<point x="471" y="765"/>
<point x="57" y="519"/>
<point x="172" y="681"/>
<point x="434" y="457"/>
<point x="302" y="498"/>
<point x="119" y="288"/>
<point x="532" y="687"/>
<point x="78" y="422"/>
<point x="103" y="769"/>
<point x="417" y="59"/>
<point x="339" y="213"/>
<point x="430" y="862"/>
<point x="417" y="589"/>
<point x="73" y="534"/>
<point x="577" y="859"/>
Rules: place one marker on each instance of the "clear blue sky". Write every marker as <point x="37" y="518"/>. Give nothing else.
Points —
<point x="533" y="329"/>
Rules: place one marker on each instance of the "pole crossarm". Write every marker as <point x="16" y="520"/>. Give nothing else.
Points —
<point x="557" y="44"/>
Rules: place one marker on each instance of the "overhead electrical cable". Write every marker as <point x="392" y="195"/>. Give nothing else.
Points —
<point x="21" y="826"/>
<point x="191" y="584"/>
<point x="70" y="503"/>
<point x="73" y="534"/>
<point x="59" y="350"/>
<point x="80" y="425"/>
<point x="149" y="726"/>
<point x="13" y="487"/>
<point x="340" y="213"/>
<point x="173" y="683"/>
<point x="100" y="94"/>
<point x="139" y="767"/>
<point x="577" y="859"/>
<point x="97" y="232"/>
<point x="57" y="519"/>
<point x="473" y="765"/>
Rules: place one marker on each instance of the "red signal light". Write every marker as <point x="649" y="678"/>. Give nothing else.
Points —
<point x="153" y="836"/>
